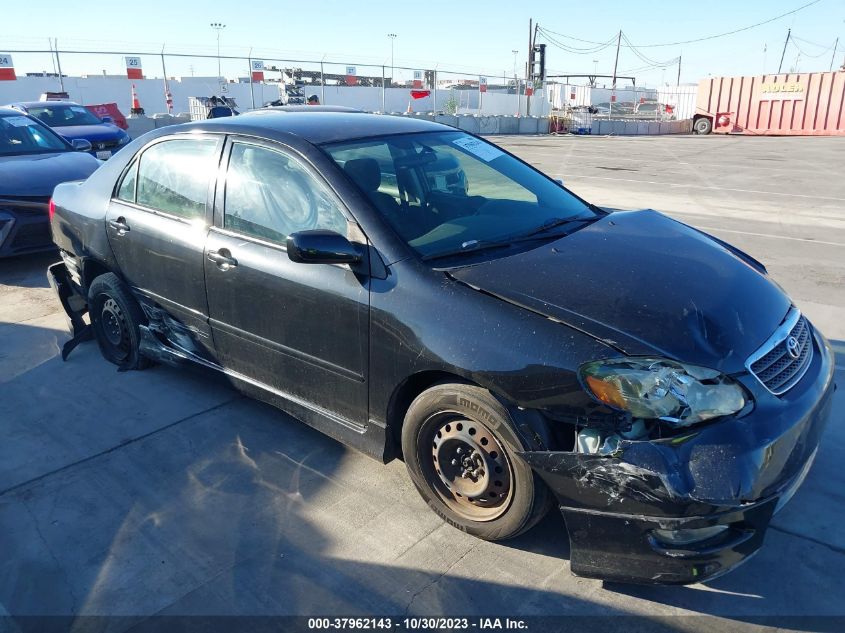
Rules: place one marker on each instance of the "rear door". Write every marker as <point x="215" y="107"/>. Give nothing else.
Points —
<point x="302" y="329"/>
<point x="157" y="224"/>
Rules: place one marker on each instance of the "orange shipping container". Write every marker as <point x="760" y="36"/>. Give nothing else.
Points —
<point x="786" y="104"/>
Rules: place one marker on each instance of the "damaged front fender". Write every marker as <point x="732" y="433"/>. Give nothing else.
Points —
<point x="733" y="473"/>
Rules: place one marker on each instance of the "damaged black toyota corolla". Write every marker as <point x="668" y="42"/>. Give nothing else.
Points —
<point x="417" y="292"/>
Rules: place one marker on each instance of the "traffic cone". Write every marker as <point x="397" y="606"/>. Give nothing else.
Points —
<point x="136" y="105"/>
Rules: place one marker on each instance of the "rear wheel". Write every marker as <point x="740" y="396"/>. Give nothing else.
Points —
<point x="460" y="449"/>
<point x="703" y="125"/>
<point x="115" y="318"/>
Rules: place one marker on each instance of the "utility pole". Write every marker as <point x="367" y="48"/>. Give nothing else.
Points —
<point x="392" y="37"/>
<point x="529" y="66"/>
<point x="833" y="57"/>
<point x="788" y="33"/>
<point x="217" y="26"/>
<point x="59" y="63"/>
<point x="615" y="66"/>
<point x="679" y="71"/>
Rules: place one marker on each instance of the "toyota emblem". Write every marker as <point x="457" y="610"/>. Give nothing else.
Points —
<point x="793" y="348"/>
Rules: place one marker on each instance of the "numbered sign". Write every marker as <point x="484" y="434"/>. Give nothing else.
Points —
<point x="133" y="68"/>
<point x="7" y="68"/>
<point x="529" y="88"/>
<point x="418" y="79"/>
<point x="257" y="66"/>
<point x="482" y="84"/>
<point x="351" y="78"/>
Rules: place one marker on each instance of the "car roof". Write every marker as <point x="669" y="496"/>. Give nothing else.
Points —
<point x="309" y="108"/>
<point x="315" y="127"/>
<point x="35" y="104"/>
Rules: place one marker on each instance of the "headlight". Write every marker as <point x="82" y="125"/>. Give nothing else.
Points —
<point x="657" y="388"/>
<point x="124" y="139"/>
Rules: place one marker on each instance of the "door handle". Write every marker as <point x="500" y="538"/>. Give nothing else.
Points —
<point x="119" y="225"/>
<point x="222" y="258"/>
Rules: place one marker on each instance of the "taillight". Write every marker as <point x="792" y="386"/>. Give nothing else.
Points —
<point x="51" y="209"/>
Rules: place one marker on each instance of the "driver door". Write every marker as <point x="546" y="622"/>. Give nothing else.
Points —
<point x="301" y="329"/>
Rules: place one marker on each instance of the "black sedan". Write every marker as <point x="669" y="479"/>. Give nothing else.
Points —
<point x="33" y="160"/>
<point x="418" y="292"/>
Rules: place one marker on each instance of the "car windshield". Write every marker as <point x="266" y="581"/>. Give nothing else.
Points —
<point x="63" y="115"/>
<point x="19" y="134"/>
<point x="448" y="192"/>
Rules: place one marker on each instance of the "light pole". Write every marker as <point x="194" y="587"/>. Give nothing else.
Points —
<point x="392" y="37"/>
<point x="217" y="26"/>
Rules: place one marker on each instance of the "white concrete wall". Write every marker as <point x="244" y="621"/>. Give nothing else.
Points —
<point x="92" y="90"/>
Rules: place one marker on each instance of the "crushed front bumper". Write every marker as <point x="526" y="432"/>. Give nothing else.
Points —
<point x="735" y="473"/>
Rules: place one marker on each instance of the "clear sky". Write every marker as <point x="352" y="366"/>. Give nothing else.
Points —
<point x="475" y="37"/>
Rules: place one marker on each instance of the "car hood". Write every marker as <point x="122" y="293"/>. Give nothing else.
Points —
<point x="38" y="174"/>
<point x="93" y="133"/>
<point x="644" y="284"/>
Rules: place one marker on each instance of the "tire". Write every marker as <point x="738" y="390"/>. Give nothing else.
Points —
<point x="703" y="125"/>
<point x="460" y="446"/>
<point x="115" y="317"/>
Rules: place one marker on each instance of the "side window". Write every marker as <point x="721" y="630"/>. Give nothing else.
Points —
<point x="269" y="195"/>
<point x="173" y="176"/>
<point x="126" y="192"/>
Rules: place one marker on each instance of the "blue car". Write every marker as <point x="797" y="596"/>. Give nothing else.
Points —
<point x="33" y="160"/>
<point x="74" y="121"/>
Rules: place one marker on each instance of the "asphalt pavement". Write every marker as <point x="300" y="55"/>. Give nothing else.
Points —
<point x="165" y="492"/>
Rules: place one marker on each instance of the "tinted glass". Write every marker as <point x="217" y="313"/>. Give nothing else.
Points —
<point x="269" y="195"/>
<point x="63" y="115"/>
<point x="443" y="190"/>
<point x="127" y="187"/>
<point x="174" y="176"/>
<point x="19" y="134"/>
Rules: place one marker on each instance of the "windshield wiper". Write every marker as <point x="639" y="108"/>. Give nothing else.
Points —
<point x="473" y="246"/>
<point x="542" y="233"/>
<point x="467" y="248"/>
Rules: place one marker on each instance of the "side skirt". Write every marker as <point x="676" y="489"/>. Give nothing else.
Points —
<point x="369" y="438"/>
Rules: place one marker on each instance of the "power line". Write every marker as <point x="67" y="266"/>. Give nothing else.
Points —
<point x="648" y="60"/>
<point x="804" y="53"/>
<point x="699" y="39"/>
<point x="573" y="49"/>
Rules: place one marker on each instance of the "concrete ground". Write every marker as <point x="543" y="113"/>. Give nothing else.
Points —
<point x="166" y="492"/>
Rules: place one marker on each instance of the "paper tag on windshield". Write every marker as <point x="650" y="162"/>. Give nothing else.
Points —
<point x="18" y="121"/>
<point x="477" y="147"/>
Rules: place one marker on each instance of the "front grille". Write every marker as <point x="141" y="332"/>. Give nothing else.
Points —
<point x="781" y="362"/>
<point x="102" y="145"/>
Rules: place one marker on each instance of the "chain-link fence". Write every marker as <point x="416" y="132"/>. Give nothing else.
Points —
<point x="585" y="108"/>
<point x="164" y="81"/>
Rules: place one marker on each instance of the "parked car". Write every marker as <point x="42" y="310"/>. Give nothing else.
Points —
<point x="74" y="121"/>
<point x="655" y="110"/>
<point x="516" y="345"/>
<point x="33" y="160"/>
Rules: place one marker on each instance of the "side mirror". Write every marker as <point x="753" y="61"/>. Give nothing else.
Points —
<point x="322" y="247"/>
<point x="107" y="119"/>
<point x="81" y="145"/>
<point x="559" y="181"/>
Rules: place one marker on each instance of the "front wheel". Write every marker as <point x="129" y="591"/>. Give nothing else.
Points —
<point x="115" y="318"/>
<point x="703" y="125"/>
<point x="460" y="449"/>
